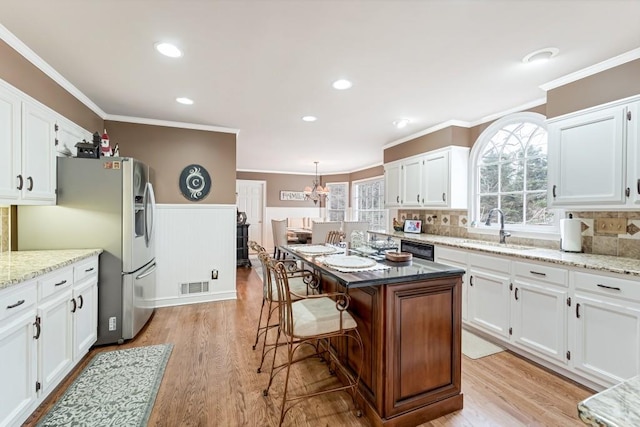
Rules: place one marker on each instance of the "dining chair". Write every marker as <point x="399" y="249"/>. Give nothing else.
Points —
<point x="280" y="236"/>
<point x="320" y="230"/>
<point x="309" y="320"/>
<point x="349" y="226"/>
<point x="334" y="237"/>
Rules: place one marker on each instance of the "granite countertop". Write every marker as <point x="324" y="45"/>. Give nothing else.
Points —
<point x="612" y="264"/>
<point x="617" y="406"/>
<point x="386" y="273"/>
<point x="16" y="267"/>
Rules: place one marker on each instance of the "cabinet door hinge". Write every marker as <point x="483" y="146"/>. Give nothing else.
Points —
<point x="38" y="386"/>
<point x="569" y="302"/>
<point x="56" y="143"/>
<point x="55" y="127"/>
<point x="628" y="115"/>
<point x="568" y="355"/>
<point x="510" y="331"/>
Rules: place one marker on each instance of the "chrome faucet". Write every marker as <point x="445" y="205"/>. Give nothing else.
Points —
<point x="503" y="234"/>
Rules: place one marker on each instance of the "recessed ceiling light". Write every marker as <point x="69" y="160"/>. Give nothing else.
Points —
<point x="309" y="118"/>
<point x="401" y="123"/>
<point x="185" y="101"/>
<point x="169" y="50"/>
<point x="342" y="84"/>
<point x="541" y="55"/>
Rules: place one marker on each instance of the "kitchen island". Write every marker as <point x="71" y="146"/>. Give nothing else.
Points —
<point x="409" y="317"/>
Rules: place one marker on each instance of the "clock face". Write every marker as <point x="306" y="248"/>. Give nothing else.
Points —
<point x="195" y="183"/>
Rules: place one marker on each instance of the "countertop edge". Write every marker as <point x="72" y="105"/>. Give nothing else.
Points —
<point x="63" y="258"/>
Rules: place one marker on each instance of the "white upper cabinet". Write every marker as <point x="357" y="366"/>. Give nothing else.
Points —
<point x="633" y="150"/>
<point x="38" y="154"/>
<point x="591" y="158"/>
<point x="436" y="179"/>
<point x="10" y="145"/>
<point x="411" y="172"/>
<point x="392" y="183"/>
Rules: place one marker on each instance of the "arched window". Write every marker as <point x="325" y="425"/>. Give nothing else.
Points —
<point x="509" y="172"/>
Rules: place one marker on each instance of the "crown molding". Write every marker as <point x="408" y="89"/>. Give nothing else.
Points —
<point x="47" y="69"/>
<point x="167" y="123"/>
<point x="593" y="69"/>
<point x="432" y="129"/>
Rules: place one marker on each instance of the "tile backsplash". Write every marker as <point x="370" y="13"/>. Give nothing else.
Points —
<point x="4" y="228"/>
<point x="454" y="223"/>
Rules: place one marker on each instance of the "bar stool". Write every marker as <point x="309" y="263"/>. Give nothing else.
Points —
<point x="309" y="320"/>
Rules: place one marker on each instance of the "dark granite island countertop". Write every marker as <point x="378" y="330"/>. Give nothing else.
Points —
<point x="397" y="272"/>
<point x="409" y="316"/>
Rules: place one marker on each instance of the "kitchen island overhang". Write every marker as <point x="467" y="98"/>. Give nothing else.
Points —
<point x="409" y="317"/>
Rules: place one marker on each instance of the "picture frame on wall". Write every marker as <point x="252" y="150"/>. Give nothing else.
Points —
<point x="297" y="196"/>
<point x="413" y="226"/>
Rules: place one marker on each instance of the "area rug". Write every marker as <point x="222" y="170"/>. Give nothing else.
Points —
<point x="475" y="347"/>
<point x="117" y="388"/>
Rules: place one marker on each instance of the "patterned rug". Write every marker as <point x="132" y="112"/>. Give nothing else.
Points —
<point x="117" y="388"/>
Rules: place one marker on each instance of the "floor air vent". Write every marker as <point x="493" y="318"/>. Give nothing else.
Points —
<point x="194" y="287"/>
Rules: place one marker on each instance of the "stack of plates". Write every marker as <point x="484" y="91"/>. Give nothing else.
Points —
<point x="349" y="261"/>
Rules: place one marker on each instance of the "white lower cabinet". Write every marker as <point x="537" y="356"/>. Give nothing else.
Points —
<point x="18" y="357"/>
<point x="606" y="328"/>
<point x="488" y="297"/>
<point x="539" y="304"/>
<point x="459" y="259"/>
<point x="46" y="326"/>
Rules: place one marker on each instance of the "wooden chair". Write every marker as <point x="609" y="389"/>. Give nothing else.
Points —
<point x="302" y="282"/>
<point x="320" y="231"/>
<point x="309" y="320"/>
<point x="334" y="237"/>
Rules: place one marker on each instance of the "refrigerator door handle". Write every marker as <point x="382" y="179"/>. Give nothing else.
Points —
<point x="147" y="272"/>
<point x="150" y="207"/>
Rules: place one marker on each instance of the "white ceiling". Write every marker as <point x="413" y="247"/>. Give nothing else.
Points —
<point x="259" y="66"/>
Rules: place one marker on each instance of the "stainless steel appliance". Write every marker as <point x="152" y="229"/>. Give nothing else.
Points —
<point x="418" y="250"/>
<point x="103" y="203"/>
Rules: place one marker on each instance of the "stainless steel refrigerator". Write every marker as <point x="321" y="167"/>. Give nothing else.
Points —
<point x="103" y="203"/>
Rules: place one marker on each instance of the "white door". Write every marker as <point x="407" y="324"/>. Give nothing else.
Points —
<point x="251" y="201"/>
<point x="488" y="306"/>
<point x="436" y="179"/>
<point x="38" y="155"/>
<point x="633" y="147"/>
<point x="392" y="184"/>
<point x="412" y="178"/>
<point x="10" y="145"/>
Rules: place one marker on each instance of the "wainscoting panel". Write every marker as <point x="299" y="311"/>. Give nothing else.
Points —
<point x="191" y="241"/>
<point x="283" y="213"/>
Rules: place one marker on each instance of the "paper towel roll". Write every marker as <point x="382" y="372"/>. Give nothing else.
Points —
<point x="571" y="235"/>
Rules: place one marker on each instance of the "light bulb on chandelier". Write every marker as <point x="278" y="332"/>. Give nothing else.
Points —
<point x="316" y="192"/>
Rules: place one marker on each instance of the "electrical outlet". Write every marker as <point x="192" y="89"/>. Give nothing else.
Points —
<point x="214" y="274"/>
<point x="112" y="323"/>
<point x="611" y="225"/>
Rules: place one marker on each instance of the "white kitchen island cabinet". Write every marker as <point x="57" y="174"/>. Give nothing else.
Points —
<point x="48" y="322"/>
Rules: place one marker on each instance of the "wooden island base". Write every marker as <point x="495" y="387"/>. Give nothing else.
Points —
<point x="415" y="417"/>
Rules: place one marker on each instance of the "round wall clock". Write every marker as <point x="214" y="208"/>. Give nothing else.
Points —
<point x="195" y="182"/>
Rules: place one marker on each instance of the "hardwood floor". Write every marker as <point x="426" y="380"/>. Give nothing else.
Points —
<point x="211" y="377"/>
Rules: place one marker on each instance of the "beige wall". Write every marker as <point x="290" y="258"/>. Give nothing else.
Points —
<point x="452" y="135"/>
<point x="372" y="172"/>
<point x="168" y="150"/>
<point x="281" y="181"/>
<point x="22" y="74"/>
<point x="610" y="85"/>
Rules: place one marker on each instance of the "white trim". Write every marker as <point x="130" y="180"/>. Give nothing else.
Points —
<point x="47" y="69"/>
<point x="629" y="56"/>
<point x="194" y="206"/>
<point x="195" y="299"/>
<point x="432" y="129"/>
<point x="373" y="178"/>
<point x="518" y="109"/>
<point x="167" y="123"/>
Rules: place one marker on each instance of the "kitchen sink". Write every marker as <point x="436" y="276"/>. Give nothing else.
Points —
<point x="497" y="245"/>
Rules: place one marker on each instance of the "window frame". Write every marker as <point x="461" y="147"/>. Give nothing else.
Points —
<point x="549" y="232"/>
<point x="328" y="200"/>
<point x="354" y="205"/>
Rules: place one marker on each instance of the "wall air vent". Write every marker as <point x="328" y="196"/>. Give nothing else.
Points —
<point x="194" y="287"/>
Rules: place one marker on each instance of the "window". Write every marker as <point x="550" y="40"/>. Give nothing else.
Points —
<point x="368" y="203"/>
<point x="509" y="172"/>
<point x="337" y="201"/>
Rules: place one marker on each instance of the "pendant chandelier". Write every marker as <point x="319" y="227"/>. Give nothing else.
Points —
<point x="316" y="192"/>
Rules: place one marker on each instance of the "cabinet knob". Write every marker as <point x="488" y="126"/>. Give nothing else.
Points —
<point x="37" y="325"/>
<point x="75" y="305"/>
<point x="30" y="181"/>
<point x="21" y="182"/>
<point x="638" y="186"/>
<point x="553" y="191"/>
<point x="397" y="199"/>
<point x="444" y="197"/>
<point x="81" y="302"/>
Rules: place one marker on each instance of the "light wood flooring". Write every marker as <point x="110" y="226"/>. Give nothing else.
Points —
<point x="211" y="377"/>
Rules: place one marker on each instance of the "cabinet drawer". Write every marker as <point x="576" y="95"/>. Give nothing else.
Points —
<point x="500" y="265"/>
<point x="55" y="282"/>
<point x="85" y="269"/>
<point x="605" y="285"/>
<point x="17" y="299"/>
<point x="538" y="272"/>
<point x="445" y="254"/>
